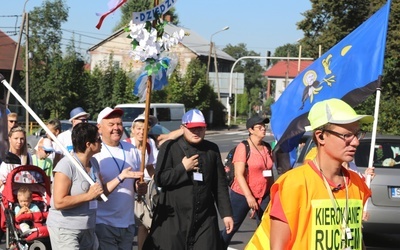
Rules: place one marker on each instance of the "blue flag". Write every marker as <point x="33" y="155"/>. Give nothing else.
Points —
<point x="348" y="71"/>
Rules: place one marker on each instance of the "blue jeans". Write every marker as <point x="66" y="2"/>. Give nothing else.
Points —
<point x="240" y="209"/>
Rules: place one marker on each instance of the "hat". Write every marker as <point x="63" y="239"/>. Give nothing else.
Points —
<point x="152" y="119"/>
<point x="77" y="112"/>
<point x="106" y="112"/>
<point x="47" y="145"/>
<point x="334" y="111"/>
<point x="256" y="120"/>
<point x="194" y="119"/>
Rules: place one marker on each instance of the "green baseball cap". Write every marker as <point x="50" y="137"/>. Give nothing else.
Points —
<point x="334" y="111"/>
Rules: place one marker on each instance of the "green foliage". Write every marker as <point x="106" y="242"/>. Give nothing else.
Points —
<point x="253" y="78"/>
<point x="287" y="50"/>
<point x="192" y="90"/>
<point x="328" y="22"/>
<point x="48" y="85"/>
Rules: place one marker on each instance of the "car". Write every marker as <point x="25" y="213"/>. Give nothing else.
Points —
<point x="384" y="205"/>
<point x="169" y="115"/>
<point x="154" y="131"/>
<point x="33" y="139"/>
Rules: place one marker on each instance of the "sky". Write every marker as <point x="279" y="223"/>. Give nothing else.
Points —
<point x="260" y="24"/>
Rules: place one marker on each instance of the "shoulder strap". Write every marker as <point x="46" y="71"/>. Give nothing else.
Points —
<point x="247" y="146"/>
<point x="266" y="144"/>
<point x="148" y="148"/>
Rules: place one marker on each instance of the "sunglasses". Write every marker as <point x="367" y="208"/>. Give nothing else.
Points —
<point x="13" y="121"/>
<point x="83" y="120"/>
<point x="48" y="152"/>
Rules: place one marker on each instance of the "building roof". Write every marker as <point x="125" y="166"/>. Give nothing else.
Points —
<point x="193" y="42"/>
<point x="280" y="69"/>
<point x="7" y="53"/>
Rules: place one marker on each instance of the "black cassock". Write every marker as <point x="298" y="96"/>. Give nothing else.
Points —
<point x="186" y="216"/>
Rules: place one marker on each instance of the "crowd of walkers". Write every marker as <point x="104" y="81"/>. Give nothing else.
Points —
<point x="191" y="181"/>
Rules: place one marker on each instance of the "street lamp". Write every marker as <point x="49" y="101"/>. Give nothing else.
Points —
<point x="211" y="47"/>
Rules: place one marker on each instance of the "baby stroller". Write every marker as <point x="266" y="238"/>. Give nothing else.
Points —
<point x="37" y="237"/>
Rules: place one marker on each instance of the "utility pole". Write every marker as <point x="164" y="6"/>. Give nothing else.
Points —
<point x="216" y="73"/>
<point x="250" y="57"/>
<point x="27" y="71"/>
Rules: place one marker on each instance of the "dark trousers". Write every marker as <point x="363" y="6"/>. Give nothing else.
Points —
<point x="240" y="209"/>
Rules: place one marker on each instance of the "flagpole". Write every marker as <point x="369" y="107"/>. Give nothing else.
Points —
<point x="38" y="120"/>
<point x="374" y="128"/>
<point x="373" y="137"/>
<point x="149" y="83"/>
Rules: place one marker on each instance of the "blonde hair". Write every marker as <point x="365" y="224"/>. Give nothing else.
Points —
<point x="25" y="191"/>
<point x="12" y="115"/>
<point x="24" y="149"/>
<point x="134" y="125"/>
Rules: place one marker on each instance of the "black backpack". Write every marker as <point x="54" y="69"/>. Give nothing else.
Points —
<point x="229" y="168"/>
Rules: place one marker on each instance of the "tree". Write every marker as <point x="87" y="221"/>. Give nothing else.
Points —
<point x="253" y="78"/>
<point x="45" y="43"/>
<point x="328" y="22"/>
<point x="192" y="90"/>
<point x="137" y="6"/>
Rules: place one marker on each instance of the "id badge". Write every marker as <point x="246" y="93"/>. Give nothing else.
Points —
<point x="197" y="176"/>
<point x="348" y="233"/>
<point x="267" y="173"/>
<point x="93" y="204"/>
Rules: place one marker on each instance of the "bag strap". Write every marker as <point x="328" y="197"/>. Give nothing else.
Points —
<point x="247" y="146"/>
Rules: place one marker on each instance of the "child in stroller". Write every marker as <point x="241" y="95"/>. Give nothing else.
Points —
<point x="31" y="179"/>
<point x="25" y="206"/>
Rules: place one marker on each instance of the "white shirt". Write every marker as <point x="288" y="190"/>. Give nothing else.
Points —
<point x="118" y="210"/>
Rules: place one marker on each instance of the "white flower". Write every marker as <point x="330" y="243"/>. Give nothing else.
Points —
<point x="149" y="46"/>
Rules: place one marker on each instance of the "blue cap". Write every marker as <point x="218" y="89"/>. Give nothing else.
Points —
<point x="7" y="112"/>
<point x="77" y="112"/>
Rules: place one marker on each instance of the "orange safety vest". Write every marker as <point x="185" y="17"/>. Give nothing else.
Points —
<point x="310" y="213"/>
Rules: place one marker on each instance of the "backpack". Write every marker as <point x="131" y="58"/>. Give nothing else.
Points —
<point x="229" y="168"/>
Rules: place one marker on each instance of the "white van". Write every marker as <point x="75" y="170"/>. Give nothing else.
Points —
<point x="169" y="115"/>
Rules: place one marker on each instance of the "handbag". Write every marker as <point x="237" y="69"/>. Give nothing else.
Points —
<point x="144" y="207"/>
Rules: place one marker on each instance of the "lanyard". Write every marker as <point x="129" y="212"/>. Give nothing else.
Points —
<point x="120" y="168"/>
<point x="345" y="229"/>
<point x="265" y="163"/>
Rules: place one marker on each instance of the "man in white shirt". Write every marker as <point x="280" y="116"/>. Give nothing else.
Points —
<point x="77" y="115"/>
<point x="115" y="219"/>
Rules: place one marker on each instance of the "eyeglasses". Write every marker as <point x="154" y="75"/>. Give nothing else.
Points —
<point x="48" y="152"/>
<point x="13" y="121"/>
<point x="260" y="127"/>
<point x="347" y="137"/>
<point x="83" y="120"/>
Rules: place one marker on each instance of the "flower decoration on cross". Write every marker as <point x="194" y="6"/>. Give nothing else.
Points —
<point x="149" y="41"/>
